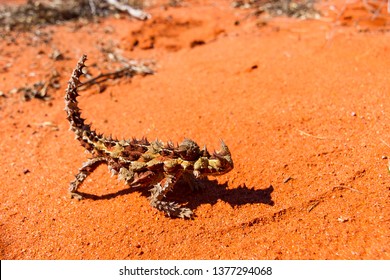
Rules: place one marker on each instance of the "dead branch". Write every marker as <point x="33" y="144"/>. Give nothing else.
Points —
<point x="126" y="71"/>
<point x="301" y="132"/>
<point x="139" y="14"/>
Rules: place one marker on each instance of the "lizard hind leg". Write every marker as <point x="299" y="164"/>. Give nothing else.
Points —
<point x="172" y="209"/>
<point x="86" y="169"/>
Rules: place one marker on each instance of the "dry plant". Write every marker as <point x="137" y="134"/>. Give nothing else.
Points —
<point x="36" y="13"/>
<point x="375" y="7"/>
<point x="303" y="9"/>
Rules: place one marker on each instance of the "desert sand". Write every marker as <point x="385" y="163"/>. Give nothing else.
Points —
<point x="303" y="105"/>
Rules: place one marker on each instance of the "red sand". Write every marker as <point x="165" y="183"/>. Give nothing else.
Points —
<point x="303" y="106"/>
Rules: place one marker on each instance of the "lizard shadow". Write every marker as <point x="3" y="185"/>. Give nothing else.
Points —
<point x="210" y="193"/>
<point x="214" y="192"/>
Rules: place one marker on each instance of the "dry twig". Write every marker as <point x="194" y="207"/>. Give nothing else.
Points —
<point x="126" y="71"/>
<point x="312" y="205"/>
<point x="348" y="188"/>
<point x="383" y="141"/>
<point x="139" y="14"/>
<point x="311" y="135"/>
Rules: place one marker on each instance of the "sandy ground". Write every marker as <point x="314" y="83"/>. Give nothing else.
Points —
<point x="302" y="104"/>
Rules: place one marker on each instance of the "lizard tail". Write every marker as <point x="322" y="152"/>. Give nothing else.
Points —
<point x="83" y="131"/>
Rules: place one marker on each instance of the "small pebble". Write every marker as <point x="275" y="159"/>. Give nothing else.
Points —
<point x="342" y="219"/>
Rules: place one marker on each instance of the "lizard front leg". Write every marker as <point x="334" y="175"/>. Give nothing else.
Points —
<point x="194" y="183"/>
<point x="87" y="167"/>
<point x="158" y="193"/>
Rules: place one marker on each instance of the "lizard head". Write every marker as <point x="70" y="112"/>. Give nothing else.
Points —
<point x="218" y="163"/>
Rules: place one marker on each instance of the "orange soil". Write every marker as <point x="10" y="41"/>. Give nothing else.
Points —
<point x="303" y="106"/>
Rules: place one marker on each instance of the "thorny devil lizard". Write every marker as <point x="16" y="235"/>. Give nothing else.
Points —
<point x="141" y="163"/>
